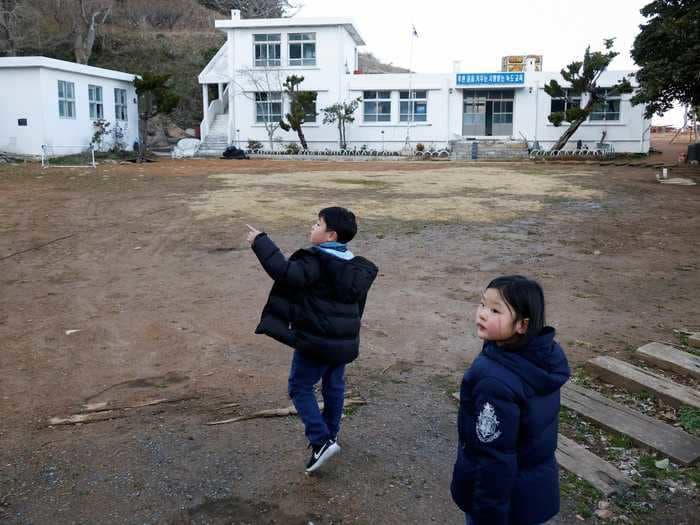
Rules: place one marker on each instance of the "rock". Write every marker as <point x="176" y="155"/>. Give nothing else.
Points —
<point x="190" y="132"/>
<point x="186" y="148"/>
<point x="603" y="514"/>
<point x="603" y="504"/>
<point x="662" y="464"/>
<point x="175" y="132"/>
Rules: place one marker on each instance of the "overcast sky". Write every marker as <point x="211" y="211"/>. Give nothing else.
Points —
<point x="479" y="33"/>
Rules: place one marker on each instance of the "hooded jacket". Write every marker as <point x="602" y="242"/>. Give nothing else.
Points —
<point x="316" y="302"/>
<point x="506" y="472"/>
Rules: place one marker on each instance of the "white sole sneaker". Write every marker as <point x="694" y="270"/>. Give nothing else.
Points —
<point x="328" y="453"/>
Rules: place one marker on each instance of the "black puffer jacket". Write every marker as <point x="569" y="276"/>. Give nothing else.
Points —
<point x="316" y="302"/>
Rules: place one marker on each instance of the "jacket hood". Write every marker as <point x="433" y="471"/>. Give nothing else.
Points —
<point x="352" y="278"/>
<point x="540" y="362"/>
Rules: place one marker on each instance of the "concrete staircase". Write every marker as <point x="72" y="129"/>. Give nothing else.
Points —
<point x="486" y="149"/>
<point x="214" y="144"/>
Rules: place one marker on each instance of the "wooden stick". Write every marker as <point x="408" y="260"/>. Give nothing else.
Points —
<point x="38" y="246"/>
<point x="279" y="412"/>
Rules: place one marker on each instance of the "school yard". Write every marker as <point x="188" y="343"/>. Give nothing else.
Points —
<point x="128" y="295"/>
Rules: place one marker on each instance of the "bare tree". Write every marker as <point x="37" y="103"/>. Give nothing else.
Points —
<point x="267" y="92"/>
<point x="86" y="16"/>
<point x="163" y="14"/>
<point x="14" y="26"/>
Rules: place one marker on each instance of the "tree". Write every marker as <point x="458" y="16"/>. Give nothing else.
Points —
<point x="667" y="50"/>
<point x="583" y="78"/>
<point x="301" y="104"/>
<point x="15" y="24"/>
<point x="87" y="15"/>
<point x="266" y="94"/>
<point x="155" y="97"/>
<point x="341" y="113"/>
<point x="252" y="8"/>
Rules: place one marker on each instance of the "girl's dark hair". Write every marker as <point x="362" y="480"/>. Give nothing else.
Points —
<point x="525" y="298"/>
<point x="341" y="221"/>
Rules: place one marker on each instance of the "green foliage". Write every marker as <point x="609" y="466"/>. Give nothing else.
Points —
<point x="101" y="127"/>
<point x="254" y="144"/>
<point x="302" y="103"/>
<point x="667" y="49"/>
<point x="689" y="418"/>
<point x="341" y="113"/>
<point x="292" y="149"/>
<point x="155" y="89"/>
<point x="582" y="77"/>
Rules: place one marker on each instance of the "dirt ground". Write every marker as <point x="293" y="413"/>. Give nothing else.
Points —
<point x="131" y="284"/>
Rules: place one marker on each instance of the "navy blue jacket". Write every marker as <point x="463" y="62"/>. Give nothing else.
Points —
<point x="506" y="472"/>
<point x="316" y="302"/>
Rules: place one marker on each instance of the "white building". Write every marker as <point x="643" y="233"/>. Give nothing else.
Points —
<point x="433" y="109"/>
<point x="54" y="103"/>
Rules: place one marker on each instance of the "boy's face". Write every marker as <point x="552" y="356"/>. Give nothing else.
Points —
<point x="495" y="320"/>
<point x="319" y="234"/>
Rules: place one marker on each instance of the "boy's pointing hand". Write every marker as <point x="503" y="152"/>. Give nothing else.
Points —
<point x="252" y="233"/>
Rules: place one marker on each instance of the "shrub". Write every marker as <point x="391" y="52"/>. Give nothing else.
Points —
<point x="254" y="144"/>
<point x="420" y="147"/>
<point x="292" y="149"/>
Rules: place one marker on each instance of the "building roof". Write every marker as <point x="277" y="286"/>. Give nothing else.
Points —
<point x="63" y="65"/>
<point x="270" y="23"/>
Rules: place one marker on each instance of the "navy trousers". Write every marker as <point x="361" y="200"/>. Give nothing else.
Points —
<point x="303" y="376"/>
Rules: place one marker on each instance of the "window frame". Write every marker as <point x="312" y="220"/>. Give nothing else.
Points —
<point x="381" y="98"/>
<point x="570" y="100"/>
<point x="96" y="103"/>
<point x="120" y="105"/>
<point x="268" y="103"/>
<point x="504" y="115"/>
<point x="302" y="43"/>
<point x="614" y="100"/>
<point x="408" y="102"/>
<point x="266" y="44"/>
<point x="66" y="99"/>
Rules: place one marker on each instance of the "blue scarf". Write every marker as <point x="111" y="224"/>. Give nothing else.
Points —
<point x="338" y="249"/>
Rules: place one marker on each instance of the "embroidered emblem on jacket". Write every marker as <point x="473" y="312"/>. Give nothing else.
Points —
<point x="487" y="424"/>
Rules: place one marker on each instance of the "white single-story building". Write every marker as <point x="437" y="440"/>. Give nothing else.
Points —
<point x="243" y="95"/>
<point x="54" y="103"/>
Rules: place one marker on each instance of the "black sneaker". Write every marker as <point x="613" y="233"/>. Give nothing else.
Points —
<point x="322" y="453"/>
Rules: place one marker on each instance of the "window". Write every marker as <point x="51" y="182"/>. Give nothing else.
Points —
<point x="562" y="104"/>
<point x="302" y="49"/>
<point x="120" y="104"/>
<point x="413" y="108"/>
<point x="502" y="111"/>
<point x="268" y="107"/>
<point x="606" y="109"/>
<point x="377" y="105"/>
<point x="95" y="97"/>
<point x="66" y="99"/>
<point x="310" y="110"/>
<point x="267" y="49"/>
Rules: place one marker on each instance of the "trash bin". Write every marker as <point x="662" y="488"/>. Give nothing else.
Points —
<point x="693" y="152"/>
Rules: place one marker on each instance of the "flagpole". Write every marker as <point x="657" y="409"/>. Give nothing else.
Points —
<point x="410" y="80"/>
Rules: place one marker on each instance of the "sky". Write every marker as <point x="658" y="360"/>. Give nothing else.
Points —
<point x="479" y="33"/>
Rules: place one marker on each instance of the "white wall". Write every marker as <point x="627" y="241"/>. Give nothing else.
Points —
<point x="20" y="97"/>
<point x="78" y="132"/>
<point x="335" y="48"/>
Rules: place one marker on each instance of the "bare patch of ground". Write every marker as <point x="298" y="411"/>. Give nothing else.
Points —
<point x="133" y="283"/>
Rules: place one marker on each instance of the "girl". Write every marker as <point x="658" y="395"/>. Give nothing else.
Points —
<point x="506" y="472"/>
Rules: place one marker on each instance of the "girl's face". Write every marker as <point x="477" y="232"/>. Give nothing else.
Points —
<point x="495" y="320"/>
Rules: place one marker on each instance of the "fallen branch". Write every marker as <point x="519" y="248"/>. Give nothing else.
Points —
<point x="93" y="412"/>
<point x="85" y="418"/>
<point x="36" y="247"/>
<point x="280" y="412"/>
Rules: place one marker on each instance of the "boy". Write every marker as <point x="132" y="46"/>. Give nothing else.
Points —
<point x="315" y="306"/>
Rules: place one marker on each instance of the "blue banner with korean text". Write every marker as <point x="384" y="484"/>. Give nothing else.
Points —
<point x="468" y="79"/>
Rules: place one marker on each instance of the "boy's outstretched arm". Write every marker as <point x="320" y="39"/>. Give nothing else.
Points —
<point x="296" y="273"/>
<point x="495" y="451"/>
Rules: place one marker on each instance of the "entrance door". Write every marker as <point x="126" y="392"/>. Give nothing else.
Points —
<point x="487" y="112"/>
<point x="474" y="114"/>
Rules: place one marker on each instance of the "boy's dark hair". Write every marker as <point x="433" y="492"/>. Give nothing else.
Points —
<point x="525" y="298"/>
<point x="341" y="221"/>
